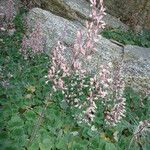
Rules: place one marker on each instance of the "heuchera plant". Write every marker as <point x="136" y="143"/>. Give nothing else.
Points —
<point x="30" y="119"/>
<point x="82" y="91"/>
<point x="9" y="11"/>
<point x="33" y="42"/>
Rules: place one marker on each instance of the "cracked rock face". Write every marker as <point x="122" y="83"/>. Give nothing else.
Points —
<point x="77" y="10"/>
<point x="53" y="26"/>
<point x="134" y="12"/>
<point x="137" y="62"/>
<point x="137" y="67"/>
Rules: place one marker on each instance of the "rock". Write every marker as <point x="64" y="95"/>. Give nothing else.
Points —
<point x="137" y="58"/>
<point x="137" y="64"/>
<point x="78" y="10"/>
<point x="53" y="26"/>
<point x="82" y="6"/>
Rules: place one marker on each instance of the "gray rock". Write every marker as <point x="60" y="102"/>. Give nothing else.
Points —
<point x="83" y="7"/>
<point x="78" y="10"/>
<point x="137" y="66"/>
<point x="53" y="26"/>
<point x="136" y="59"/>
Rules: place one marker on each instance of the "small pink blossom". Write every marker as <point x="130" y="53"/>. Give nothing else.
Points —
<point x="34" y="41"/>
<point x="9" y="11"/>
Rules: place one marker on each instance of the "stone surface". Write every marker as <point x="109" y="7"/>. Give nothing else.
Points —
<point x="83" y="8"/>
<point x="53" y="26"/>
<point x="78" y="10"/>
<point x="137" y="66"/>
<point x="137" y="59"/>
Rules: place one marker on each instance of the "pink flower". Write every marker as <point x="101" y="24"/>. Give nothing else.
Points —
<point x="77" y="65"/>
<point x="60" y="83"/>
<point x="9" y="12"/>
<point x="107" y="85"/>
<point x="34" y="41"/>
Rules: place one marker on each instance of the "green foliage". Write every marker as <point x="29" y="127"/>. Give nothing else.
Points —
<point x="128" y="37"/>
<point x="32" y="120"/>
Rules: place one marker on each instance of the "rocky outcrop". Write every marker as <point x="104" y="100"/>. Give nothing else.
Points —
<point x="136" y="59"/>
<point x="77" y="10"/>
<point x="53" y="27"/>
<point x="137" y="67"/>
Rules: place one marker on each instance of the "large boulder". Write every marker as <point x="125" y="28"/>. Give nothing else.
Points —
<point x="78" y="10"/>
<point x="137" y="67"/>
<point x="53" y="27"/>
<point x="137" y="61"/>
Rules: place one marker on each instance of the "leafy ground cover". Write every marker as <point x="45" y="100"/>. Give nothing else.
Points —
<point x="128" y="37"/>
<point x="31" y="120"/>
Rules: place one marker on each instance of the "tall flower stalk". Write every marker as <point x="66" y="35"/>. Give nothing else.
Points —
<point x="82" y="91"/>
<point x="9" y="11"/>
<point x="33" y="42"/>
<point x="115" y="114"/>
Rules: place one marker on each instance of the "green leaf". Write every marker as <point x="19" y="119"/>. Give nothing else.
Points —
<point x="62" y="142"/>
<point x="110" y="146"/>
<point x="79" y="145"/>
<point x="46" y="144"/>
<point x="18" y="132"/>
<point x="15" y="122"/>
<point x="63" y="105"/>
<point x="30" y="115"/>
<point x="34" y="145"/>
<point x="46" y="140"/>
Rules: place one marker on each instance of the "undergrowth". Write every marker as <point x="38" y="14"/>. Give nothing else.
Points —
<point x="128" y="37"/>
